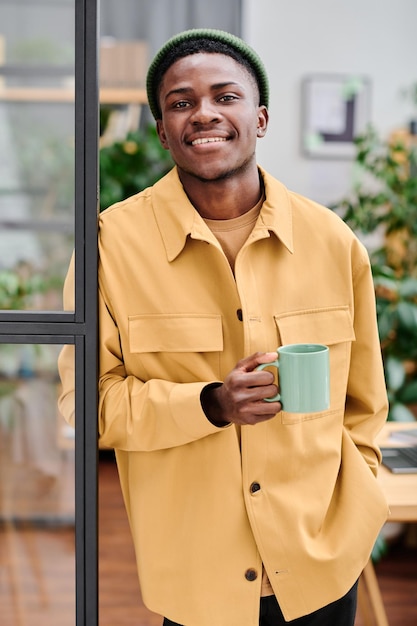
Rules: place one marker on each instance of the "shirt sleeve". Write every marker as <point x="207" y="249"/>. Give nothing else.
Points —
<point x="66" y="358"/>
<point x="137" y="415"/>
<point x="366" y="400"/>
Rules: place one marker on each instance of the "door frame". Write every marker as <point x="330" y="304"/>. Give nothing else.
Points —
<point x="80" y="326"/>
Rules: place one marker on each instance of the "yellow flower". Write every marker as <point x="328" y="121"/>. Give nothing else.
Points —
<point x="130" y="147"/>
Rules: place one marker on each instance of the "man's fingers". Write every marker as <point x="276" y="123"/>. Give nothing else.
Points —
<point x="255" y="412"/>
<point x="249" y="363"/>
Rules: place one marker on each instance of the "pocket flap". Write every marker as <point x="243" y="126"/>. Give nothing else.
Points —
<point x="326" y="326"/>
<point x="175" y="333"/>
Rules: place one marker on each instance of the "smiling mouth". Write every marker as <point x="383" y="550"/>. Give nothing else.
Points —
<point x="201" y="140"/>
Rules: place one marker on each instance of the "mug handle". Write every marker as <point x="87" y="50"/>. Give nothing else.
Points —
<point x="276" y="398"/>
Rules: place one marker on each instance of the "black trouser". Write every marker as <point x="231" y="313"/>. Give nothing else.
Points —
<point x="339" y="613"/>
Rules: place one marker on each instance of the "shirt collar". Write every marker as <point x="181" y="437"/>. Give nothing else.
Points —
<point x="276" y="212"/>
<point x="177" y="218"/>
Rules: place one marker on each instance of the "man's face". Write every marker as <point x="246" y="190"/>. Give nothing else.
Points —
<point x="210" y="116"/>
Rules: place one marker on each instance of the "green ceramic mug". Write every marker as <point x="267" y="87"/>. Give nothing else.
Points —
<point x="304" y="377"/>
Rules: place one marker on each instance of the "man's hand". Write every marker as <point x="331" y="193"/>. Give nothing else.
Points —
<point x="240" y="399"/>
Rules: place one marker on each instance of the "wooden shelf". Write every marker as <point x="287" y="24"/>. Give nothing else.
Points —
<point x="108" y="95"/>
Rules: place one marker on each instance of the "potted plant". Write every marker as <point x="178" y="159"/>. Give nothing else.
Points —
<point x="384" y="202"/>
<point x="131" y="164"/>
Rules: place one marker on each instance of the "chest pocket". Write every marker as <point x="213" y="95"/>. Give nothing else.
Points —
<point x="176" y="347"/>
<point x="332" y="327"/>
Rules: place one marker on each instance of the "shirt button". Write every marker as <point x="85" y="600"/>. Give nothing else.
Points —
<point x="239" y="314"/>
<point x="255" y="487"/>
<point x="251" y="574"/>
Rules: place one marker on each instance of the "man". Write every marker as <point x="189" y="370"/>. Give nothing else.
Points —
<point x="241" y="513"/>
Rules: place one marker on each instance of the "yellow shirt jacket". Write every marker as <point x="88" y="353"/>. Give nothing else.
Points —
<point x="173" y="318"/>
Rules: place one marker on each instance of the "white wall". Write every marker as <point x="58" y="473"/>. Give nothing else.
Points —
<point x="296" y="38"/>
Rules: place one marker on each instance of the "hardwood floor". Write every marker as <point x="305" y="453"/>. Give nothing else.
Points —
<point x="120" y="601"/>
<point x="397" y="579"/>
<point x="37" y="571"/>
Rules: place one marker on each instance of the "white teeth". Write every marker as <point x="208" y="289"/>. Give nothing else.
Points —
<point x="197" y="142"/>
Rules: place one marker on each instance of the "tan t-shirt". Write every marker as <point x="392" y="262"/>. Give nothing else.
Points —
<point x="232" y="234"/>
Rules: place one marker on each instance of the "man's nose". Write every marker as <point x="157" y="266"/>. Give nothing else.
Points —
<point x="205" y="112"/>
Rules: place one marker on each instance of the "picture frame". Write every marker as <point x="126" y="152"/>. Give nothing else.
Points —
<point x="335" y="110"/>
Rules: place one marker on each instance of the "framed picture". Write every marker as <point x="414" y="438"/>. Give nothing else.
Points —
<point x="335" y="110"/>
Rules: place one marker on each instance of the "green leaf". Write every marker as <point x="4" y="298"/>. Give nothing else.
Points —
<point x="408" y="394"/>
<point x="386" y="321"/>
<point x="380" y="548"/>
<point x="388" y="283"/>
<point x="407" y="315"/>
<point x="408" y="287"/>
<point x="9" y="281"/>
<point x="395" y="373"/>
<point x="400" y="413"/>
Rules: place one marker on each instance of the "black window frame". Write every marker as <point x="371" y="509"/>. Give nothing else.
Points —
<point x="79" y="327"/>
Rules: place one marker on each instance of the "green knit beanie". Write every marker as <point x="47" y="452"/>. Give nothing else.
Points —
<point x="233" y="46"/>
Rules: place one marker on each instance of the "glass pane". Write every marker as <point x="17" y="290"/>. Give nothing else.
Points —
<point x="37" y="491"/>
<point x="37" y="135"/>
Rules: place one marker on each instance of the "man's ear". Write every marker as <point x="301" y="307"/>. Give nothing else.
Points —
<point x="263" y="118"/>
<point x="161" y="134"/>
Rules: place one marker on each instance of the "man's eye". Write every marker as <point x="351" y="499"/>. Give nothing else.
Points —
<point x="181" y="104"/>
<point x="227" y="98"/>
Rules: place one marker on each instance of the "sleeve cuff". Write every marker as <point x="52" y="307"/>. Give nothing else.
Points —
<point x="187" y="411"/>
